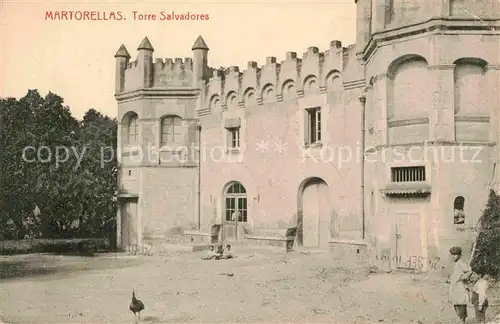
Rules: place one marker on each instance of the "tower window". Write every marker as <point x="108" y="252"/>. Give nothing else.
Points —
<point x="133" y="130"/>
<point x="171" y="131"/>
<point x="458" y="210"/>
<point x="313" y="126"/>
<point x="234" y="137"/>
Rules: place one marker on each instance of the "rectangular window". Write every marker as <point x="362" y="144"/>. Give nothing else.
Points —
<point x="234" y="138"/>
<point x="230" y="208"/>
<point x="166" y="132"/>
<point x="313" y="126"/>
<point x="242" y="208"/>
<point x="171" y="130"/>
<point x="408" y="174"/>
<point x="133" y="131"/>
<point x="236" y="209"/>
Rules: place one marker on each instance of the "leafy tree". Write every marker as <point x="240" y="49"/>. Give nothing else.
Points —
<point x="486" y="258"/>
<point x="57" y="132"/>
<point x="16" y="182"/>
<point x="75" y="194"/>
<point x="99" y="136"/>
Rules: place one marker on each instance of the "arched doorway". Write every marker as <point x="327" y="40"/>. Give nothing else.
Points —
<point x="313" y="213"/>
<point x="235" y="211"/>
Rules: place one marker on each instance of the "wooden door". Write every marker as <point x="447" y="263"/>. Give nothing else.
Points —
<point x="310" y="220"/>
<point x="125" y="226"/>
<point x="315" y="214"/>
<point x="408" y="243"/>
<point x="128" y="225"/>
<point x="324" y="215"/>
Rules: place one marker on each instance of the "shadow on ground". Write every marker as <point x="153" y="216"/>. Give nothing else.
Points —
<point x="21" y="269"/>
<point x="152" y="319"/>
<point x="40" y="265"/>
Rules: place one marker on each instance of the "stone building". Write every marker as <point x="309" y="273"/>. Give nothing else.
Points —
<point x="281" y="145"/>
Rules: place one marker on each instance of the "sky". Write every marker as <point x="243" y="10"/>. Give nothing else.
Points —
<point x="75" y="59"/>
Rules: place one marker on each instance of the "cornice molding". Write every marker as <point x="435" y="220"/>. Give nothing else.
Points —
<point x="492" y="67"/>
<point x="157" y="93"/>
<point x="431" y="26"/>
<point x="441" y="67"/>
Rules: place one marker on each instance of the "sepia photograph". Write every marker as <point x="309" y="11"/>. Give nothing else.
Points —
<point x="231" y="161"/>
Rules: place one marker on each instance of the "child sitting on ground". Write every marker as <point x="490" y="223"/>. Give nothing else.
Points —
<point x="211" y="254"/>
<point x="219" y="250"/>
<point x="227" y="252"/>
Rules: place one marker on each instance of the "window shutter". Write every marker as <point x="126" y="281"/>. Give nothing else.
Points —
<point x="178" y="130"/>
<point x="307" y="128"/>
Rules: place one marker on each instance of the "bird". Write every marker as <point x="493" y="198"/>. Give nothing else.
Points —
<point x="136" y="306"/>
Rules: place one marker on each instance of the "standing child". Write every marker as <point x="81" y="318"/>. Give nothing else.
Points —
<point x="459" y="294"/>
<point x="479" y="299"/>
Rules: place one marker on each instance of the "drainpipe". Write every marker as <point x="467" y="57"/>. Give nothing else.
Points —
<point x="198" y="189"/>
<point x="362" y="100"/>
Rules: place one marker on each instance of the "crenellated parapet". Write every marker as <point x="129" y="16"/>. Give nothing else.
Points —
<point x="147" y="72"/>
<point x="170" y="64"/>
<point x="277" y="81"/>
<point x="131" y="65"/>
<point x="312" y="72"/>
<point x="173" y="72"/>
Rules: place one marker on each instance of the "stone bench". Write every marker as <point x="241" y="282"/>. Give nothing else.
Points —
<point x="201" y="247"/>
<point x="285" y="240"/>
<point x="199" y="237"/>
<point x="205" y="237"/>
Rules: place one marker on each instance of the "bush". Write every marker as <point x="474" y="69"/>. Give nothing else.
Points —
<point x="81" y="247"/>
<point x="486" y="258"/>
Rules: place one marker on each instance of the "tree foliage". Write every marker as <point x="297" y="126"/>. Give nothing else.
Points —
<point x="53" y="164"/>
<point x="486" y="258"/>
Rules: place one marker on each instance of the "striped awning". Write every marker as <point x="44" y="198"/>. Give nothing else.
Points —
<point x="407" y="188"/>
<point x="232" y="123"/>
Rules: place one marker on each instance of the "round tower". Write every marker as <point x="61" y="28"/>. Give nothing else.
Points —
<point x="122" y="58"/>
<point x="200" y="61"/>
<point x="432" y="74"/>
<point x="145" y="63"/>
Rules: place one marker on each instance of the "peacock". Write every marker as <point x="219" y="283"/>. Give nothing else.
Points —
<point x="136" y="306"/>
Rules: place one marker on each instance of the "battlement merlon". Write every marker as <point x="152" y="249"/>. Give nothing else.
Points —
<point x="147" y="72"/>
<point x="337" y="61"/>
<point x="173" y="64"/>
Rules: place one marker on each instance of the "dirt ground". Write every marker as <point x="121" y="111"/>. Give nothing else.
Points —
<point x="266" y="286"/>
